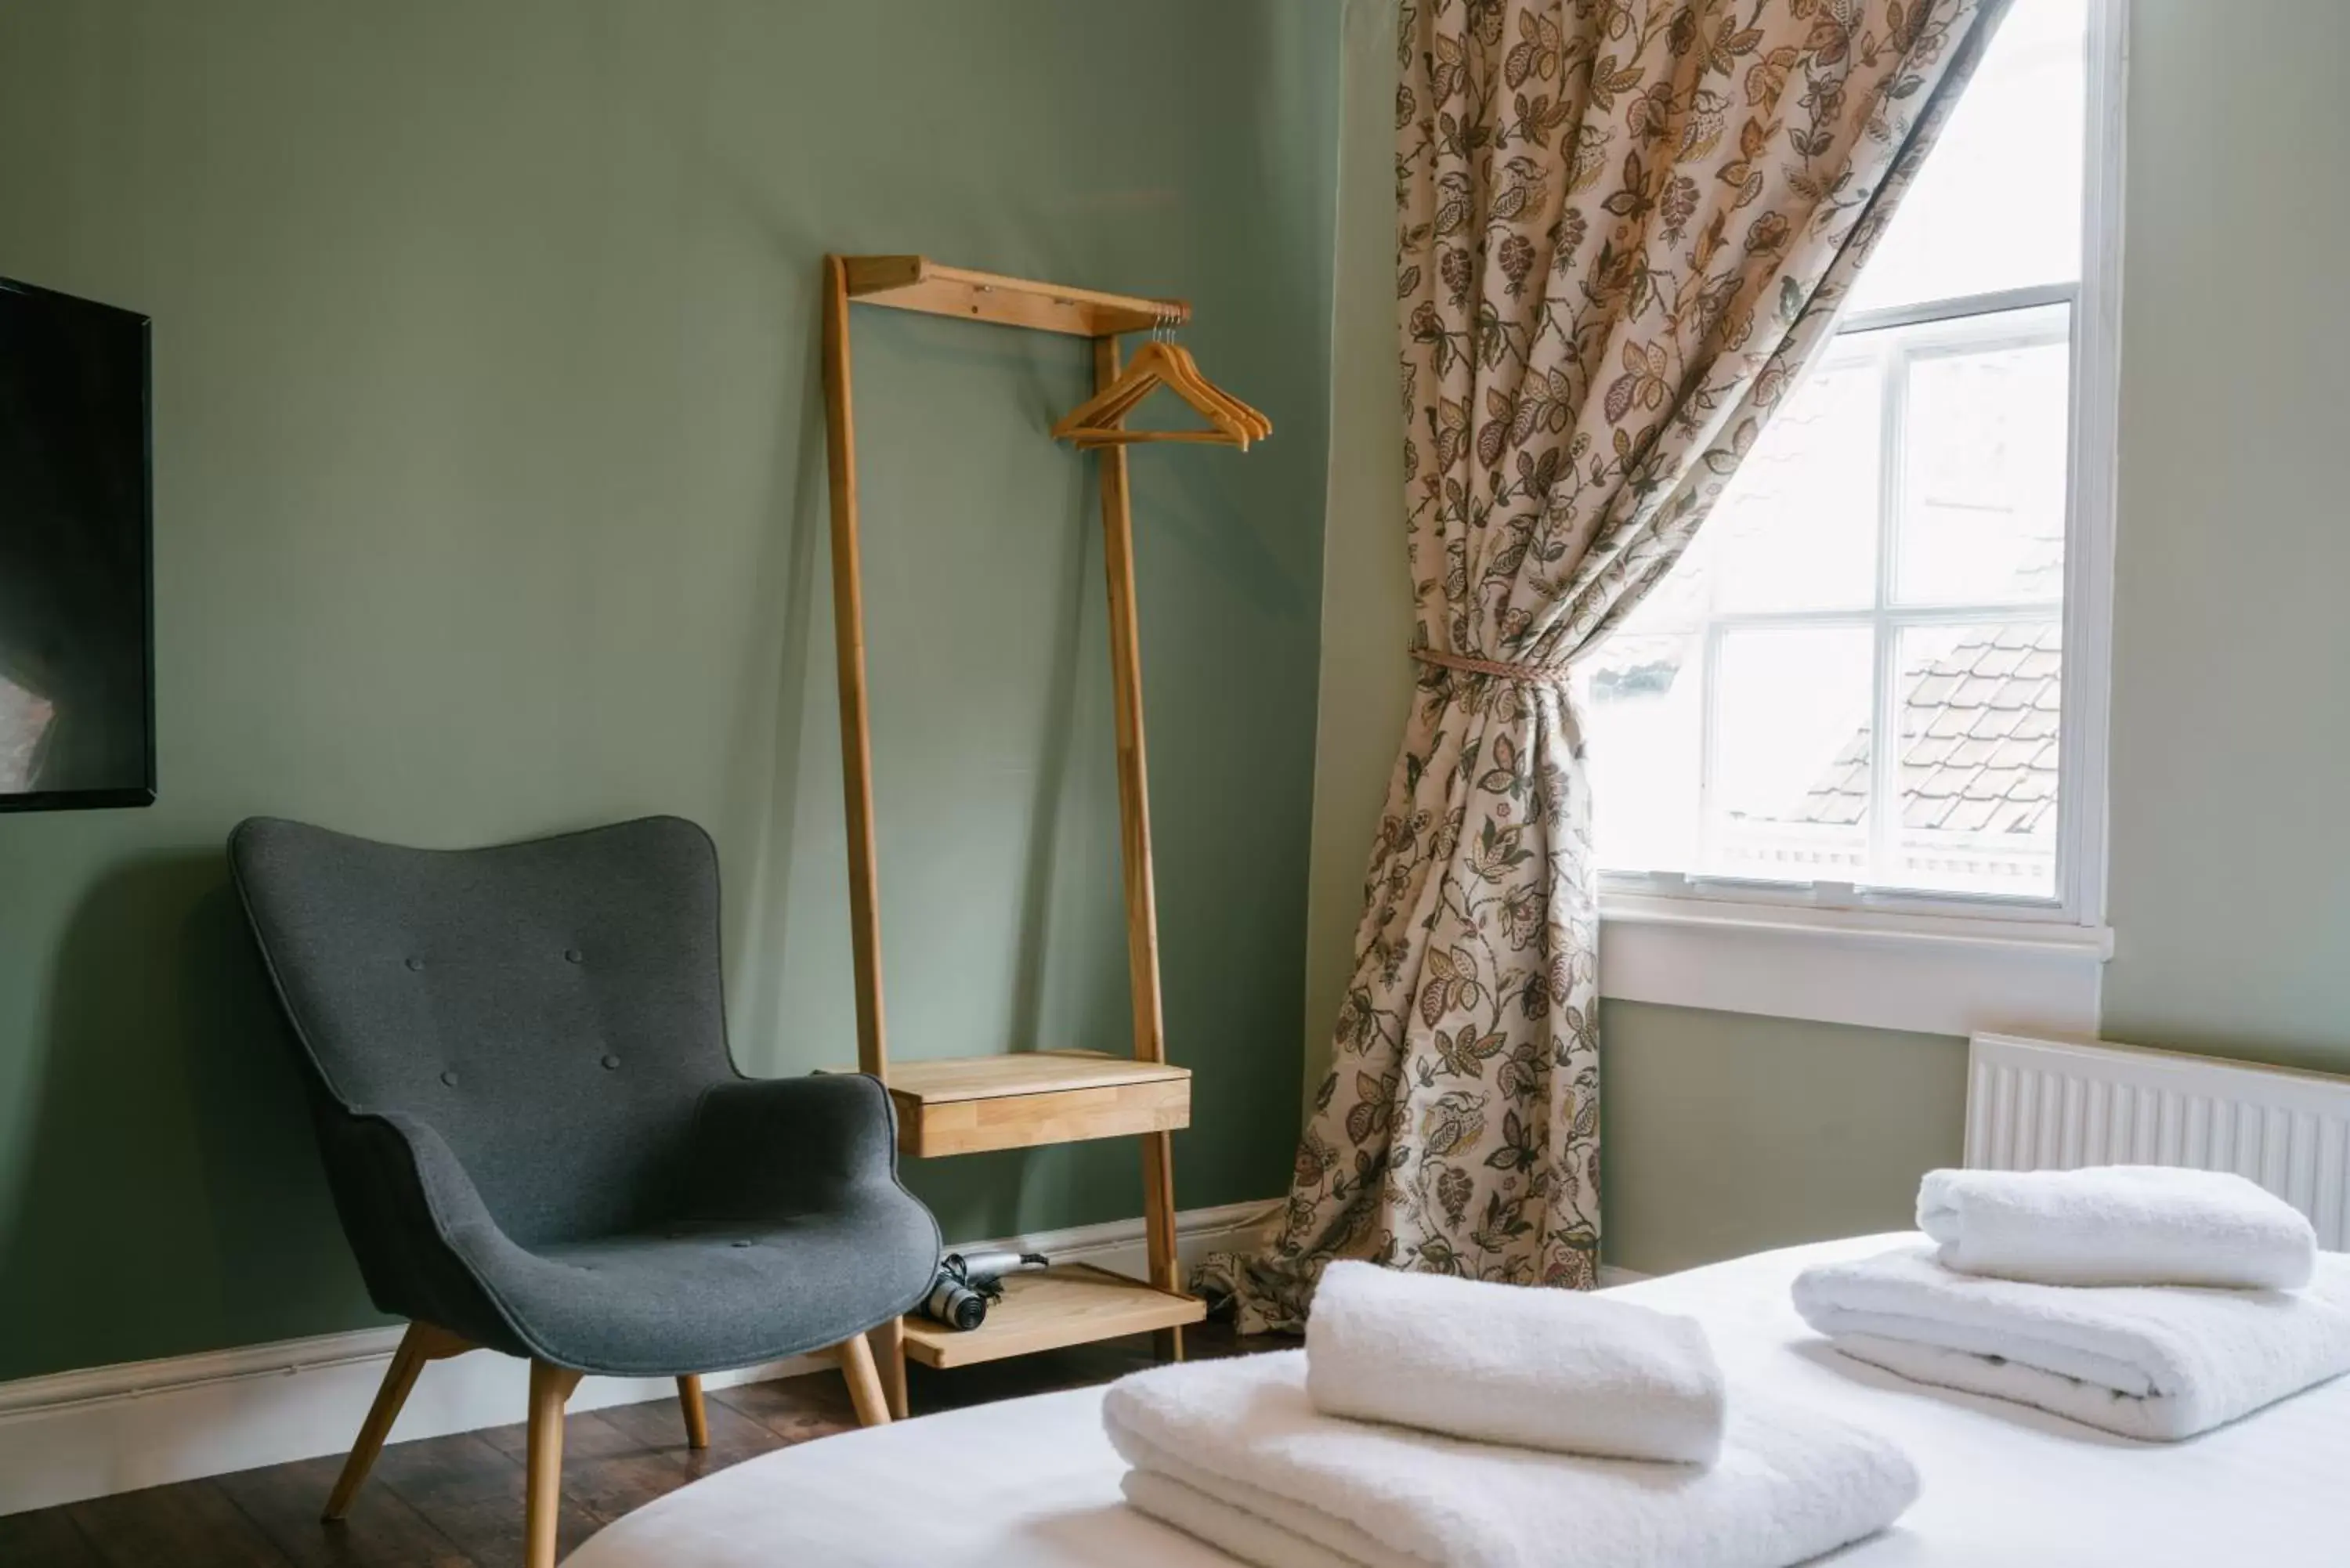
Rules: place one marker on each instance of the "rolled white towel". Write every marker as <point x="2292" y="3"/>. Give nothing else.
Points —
<point x="2152" y="1362"/>
<point x="1511" y="1364"/>
<point x="2116" y="1225"/>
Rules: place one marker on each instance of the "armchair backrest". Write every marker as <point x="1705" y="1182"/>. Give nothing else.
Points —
<point x="552" y="1009"/>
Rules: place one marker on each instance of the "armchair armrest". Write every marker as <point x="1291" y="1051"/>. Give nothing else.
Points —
<point x="415" y="1220"/>
<point x="771" y="1147"/>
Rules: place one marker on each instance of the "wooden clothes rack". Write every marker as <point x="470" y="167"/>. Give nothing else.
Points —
<point x="1025" y="1098"/>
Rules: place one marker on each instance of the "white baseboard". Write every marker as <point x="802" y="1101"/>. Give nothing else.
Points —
<point x="1610" y="1276"/>
<point x="75" y="1435"/>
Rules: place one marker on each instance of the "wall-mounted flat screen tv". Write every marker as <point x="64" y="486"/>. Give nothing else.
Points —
<point x="77" y="580"/>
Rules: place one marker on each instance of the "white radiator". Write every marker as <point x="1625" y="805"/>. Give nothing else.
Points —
<point x="2036" y="1104"/>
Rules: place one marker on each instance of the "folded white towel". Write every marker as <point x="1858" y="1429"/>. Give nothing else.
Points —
<point x="1789" y="1485"/>
<point x="2157" y="1362"/>
<point x="1544" y="1368"/>
<point x="1246" y="1523"/>
<point x="2116" y="1225"/>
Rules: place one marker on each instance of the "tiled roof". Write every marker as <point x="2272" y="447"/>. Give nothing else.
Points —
<point x="1977" y="740"/>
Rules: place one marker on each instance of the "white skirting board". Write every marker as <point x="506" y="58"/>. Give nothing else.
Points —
<point x="75" y="1435"/>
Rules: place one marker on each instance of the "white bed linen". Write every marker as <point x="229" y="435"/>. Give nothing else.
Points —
<point x="1034" y="1482"/>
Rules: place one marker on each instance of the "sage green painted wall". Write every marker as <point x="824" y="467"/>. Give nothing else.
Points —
<point x="1366" y="684"/>
<point x="2231" y="812"/>
<point x="490" y="502"/>
<point x="2231" y="880"/>
<point x="1721" y="1133"/>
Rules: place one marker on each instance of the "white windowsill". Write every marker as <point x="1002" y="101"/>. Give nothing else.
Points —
<point x="1931" y="973"/>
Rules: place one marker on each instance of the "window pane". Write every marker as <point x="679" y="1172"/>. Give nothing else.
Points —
<point x="1733" y="720"/>
<point x="1998" y="204"/>
<point x="1797" y="527"/>
<point x="1791" y="778"/>
<point x="1984" y="443"/>
<point x="1642" y="699"/>
<point x="1977" y="717"/>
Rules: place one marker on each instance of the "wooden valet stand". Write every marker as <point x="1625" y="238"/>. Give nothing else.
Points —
<point x="1024" y="1098"/>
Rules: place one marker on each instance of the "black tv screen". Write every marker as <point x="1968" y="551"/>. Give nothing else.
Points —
<point x="77" y="584"/>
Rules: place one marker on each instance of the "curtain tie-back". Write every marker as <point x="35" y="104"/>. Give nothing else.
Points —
<point x="1528" y="674"/>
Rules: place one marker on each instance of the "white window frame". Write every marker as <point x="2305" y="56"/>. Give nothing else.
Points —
<point x="1946" y="964"/>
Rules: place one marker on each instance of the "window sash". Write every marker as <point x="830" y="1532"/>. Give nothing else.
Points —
<point x="1888" y="349"/>
<point x="1958" y="306"/>
<point x="2084" y="610"/>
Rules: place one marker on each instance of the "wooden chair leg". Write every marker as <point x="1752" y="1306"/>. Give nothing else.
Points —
<point x="856" y="1357"/>
<point x="889" y="1345"/>
<point x="697" y="1418"/>
<point x="550" y="1385"/>
<point x="421" y="1344"/>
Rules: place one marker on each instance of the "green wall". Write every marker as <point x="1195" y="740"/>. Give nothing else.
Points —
<point x="490" y="502"/>
<point x="2231" y="881"/>
<point x="2231" y="761"/>
<point x="1366" y="685"/>
<point x="1721" y="1133"/>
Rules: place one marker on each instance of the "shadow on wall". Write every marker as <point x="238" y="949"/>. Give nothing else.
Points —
<point x="165" y="1053"/>
<point x="764" y="777"/>
<point x="791" y="1000"/>
<point x="779" y="788"/>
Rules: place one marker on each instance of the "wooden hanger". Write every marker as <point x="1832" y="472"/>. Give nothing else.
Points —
<point x="1140" y="377"/>
<point x="1097" y="421"/>
<point x="1181" y="368"/>
<point x="1188" y="369"/>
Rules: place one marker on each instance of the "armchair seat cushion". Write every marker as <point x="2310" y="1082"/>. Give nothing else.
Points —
<point x="704" y="1296"/>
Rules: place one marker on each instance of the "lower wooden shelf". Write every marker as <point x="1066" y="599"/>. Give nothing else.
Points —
<point x="1070" y="1304"/>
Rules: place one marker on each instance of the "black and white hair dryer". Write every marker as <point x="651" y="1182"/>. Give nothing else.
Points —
<point x="964" y="1286"/>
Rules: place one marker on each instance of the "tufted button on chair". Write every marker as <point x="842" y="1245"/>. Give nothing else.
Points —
<point x="535" y="1138"/>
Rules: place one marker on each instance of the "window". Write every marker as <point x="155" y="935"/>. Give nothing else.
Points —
<point x="1855" y="688"/>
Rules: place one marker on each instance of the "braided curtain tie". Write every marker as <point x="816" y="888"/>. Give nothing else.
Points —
<point x="1530" y="674"/>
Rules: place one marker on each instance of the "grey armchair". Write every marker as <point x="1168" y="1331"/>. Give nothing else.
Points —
<point x="537" y="1141"/>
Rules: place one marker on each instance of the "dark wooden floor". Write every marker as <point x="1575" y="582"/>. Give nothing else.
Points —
<point x="457" y="1501"/>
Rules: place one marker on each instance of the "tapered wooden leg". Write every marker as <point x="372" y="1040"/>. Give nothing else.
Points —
<point x="421" y="1344"/>
<point x="1159" y="1234"/>
<point x="889" y="1345"/>
<point x="864" y="1392"/>
<point x="697" y="1419"/>
<point x="550" y="1385"/>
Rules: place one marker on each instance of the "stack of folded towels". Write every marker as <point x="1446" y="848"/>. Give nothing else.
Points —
<point x="1433" y="1422"/>
<point x="2151" y="1301"/>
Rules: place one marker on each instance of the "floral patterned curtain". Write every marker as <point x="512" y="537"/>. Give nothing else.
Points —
<point x="1626" y="225"/>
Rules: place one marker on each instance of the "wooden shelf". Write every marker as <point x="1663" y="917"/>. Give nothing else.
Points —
<point x="964" y="1105"/>
<point x="958" y="1078"/>
<point x="1071" y="1303"/>
<point x="917" y="282"/>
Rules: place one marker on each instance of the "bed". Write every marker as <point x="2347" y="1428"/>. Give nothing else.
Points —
<point x="1034" y="1482"/>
